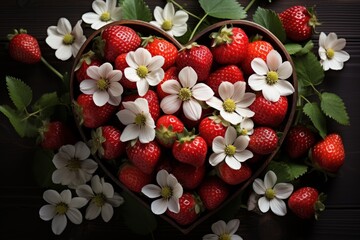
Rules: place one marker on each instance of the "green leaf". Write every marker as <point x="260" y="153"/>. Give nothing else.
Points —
<point x="43" y="167"/>
<point x="333" y="107"/>
<point x="282" y="171"/>
<point x="293" y="48"/>
<point x="306" y="49"/>
<point x="296" y="169"/>
<point x="19" y="92"/>
<point x="224" y="9"/>
<point x="308" y="69"/>
<point x="317" y="117"/>
<point x="46" y="100"/>
<point x="136" y="10"/>
<point x="270" y="20"/>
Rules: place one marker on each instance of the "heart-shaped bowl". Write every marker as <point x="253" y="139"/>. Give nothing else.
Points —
<point x="146" y="29"/>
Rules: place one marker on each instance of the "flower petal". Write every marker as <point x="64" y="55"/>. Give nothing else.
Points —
<point x="58" y="224"/>
<point x="341" y="56"/>
<point x="51" y="196"/>
<point x="63" y="26"/>
<point x="258" y="186"/>
<point x="259" y="66"/>
<point x="92" y="211"/>
<point x="82" y="151"/>
<point x="284" y="88"/>
<point x="257" y="82"/>
<point x="130" y="132"/>
<point x="64" y="52"/>
<point x="218" y="144"/>
<point x="159" y="206"/>
<point x="232" y="226"/>
<point x="88" y="86"/>
<point x="107" y="212"/>
<point x="202" y="92"/>
<point x="156" y="63"/>
<point x="180" y="18"/>
<point x="283" y="190"/>
<point x="147" y="134"/>
<point x="170" y="104"/>
<point x="142" y="86"/>
<point x="231" y="117"/>
<point x="169" y="11"/>
<point x="179" y="30"/>
<point x="142" y="57"/>
<point x="232" y="162"/>
<point x="215" y="102"/>
<point x="273" y="60"/>
<point x="264" y="204"/>
<point x="216" y="158"/>
<point x="101" y="98"/>
<point x="243" y="155"/>
<point x="278" y="207"/>
<point x="84" y="191"/>
<point x="151" y="191"/>
<point x="271" y="93"/>
<point x="74" y="215"/>
<point x="219" y="227"/>
<point x="226" y="90"/>
<point x="158" y="15"/>
<point x="171" y="86"/>
<point x="90" y="17"/>
<point x="188" y="77"/>
<point x="47" y="212"/>
<point x="192" y="110"/>
<point x="285" y="70"/>
<point x="230" y="135"/>
<point x="78" y="202"/>
<point x="270" y="179"/>
<point x="174" y="205"/>
<point x="155" y="77"/>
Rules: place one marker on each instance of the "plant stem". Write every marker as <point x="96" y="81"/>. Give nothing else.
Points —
<point x="197" y="26"/>
<point x="182" y="8"/>
<point x="48" y="65"/>
<point x="249" y="5"/>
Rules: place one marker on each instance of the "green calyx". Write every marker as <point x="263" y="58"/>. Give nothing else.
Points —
<point x="16" y="32"/>
<point x="224" y="36"/>
<point x="319" y="205"/>
<point x="313" y="21"/>
<point x="97" y="139"/>
<point x="186" y="136"/>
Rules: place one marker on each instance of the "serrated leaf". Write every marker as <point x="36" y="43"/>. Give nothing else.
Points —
<point x="136" y="10"/>
<point x="224" y="9"/>
<point x="270" y="20"/>
<point x="281" y="170"/>
<point x="333" y="107"/>
<point x="296" y="169"/>
<point x="293" y="48"/>
<point x="307" y="48"/>
<point x="317" y="117"/>
<point x="46" y="100"/>
<point x="19" y="92"/>
<point x="308" y="69"/>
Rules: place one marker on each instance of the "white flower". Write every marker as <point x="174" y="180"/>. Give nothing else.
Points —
<point x="330" y="51"/>
<point x="102" y="198"/>
<point x="222" y="230"/>
<point x="272" y="195"/>
<point x="169" y="191"/>
<point x="144" y="69"/>
<point x="235" y="102"/>
<point x="187" y="93"/>
<point x="104" y="13"/>
<point x="231" y="148"/>
<point x="65" y="40"/>
<point x="61" y="206"/>
<point x="73" y="165"/>
<point x="270" y="76"/>
<point x="174" y="23"/>
<point x="245" y="128"/>
<point x="104" y="84"/>
<point x="139" y="122"/>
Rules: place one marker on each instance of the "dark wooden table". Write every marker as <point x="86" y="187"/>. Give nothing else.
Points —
<point x="21" y="196"/>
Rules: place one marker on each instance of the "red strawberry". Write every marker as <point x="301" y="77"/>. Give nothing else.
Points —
<point x="197" y="56"/>
<point x="190" y="149"/>
<point x="23" y="47"/>
<point x="212" y="192"/>
<point x="121" y="64"/>
<point x="87" y="60"/>
<point x="170" y="74"/>
<point x="89" y="114"/>
<point x="188" y="176"/>
<point x="329" y="153"/>
<point x="211" y="127"/>
<point x="306" y="202"/>
<point x="229" y="45"/>
<point x="232" y="176"/>
<point x="298" y="22"/>
<point x="268" y="113"/>
<point x="119" y="39"/>
<point x="298" y="141"/>
<point x="229" y="73"/>
<point x="263" y="140"/>
<point x="189" y="209"/>
<point x="167" y="126"/>
<point x="54" y="134"/>
<point x="161" y="47"/>
<point x="133" y="178"/>
<point x="144" y="156"/>
<point x="255" y="49"/>
<point x="105" y="140"/>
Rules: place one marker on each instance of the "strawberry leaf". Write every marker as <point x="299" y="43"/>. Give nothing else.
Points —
<point x="317" y="117"/>
<point x="333" y="107"/>
<point x="224" y="9"/>
<point x="282" y="171"/>
<point x="270" y="20"/>
<point x="19" y="92"/>
<point x="296" y="169"/>
<point x="299" y="50"/>
<point x="308" y="69"/>
<point x="137" y="10"/>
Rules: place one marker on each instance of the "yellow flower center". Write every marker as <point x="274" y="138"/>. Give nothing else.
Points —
<point x="229" y="105"/>
<point x="142" y="71"/>
<point x="61" y="208"/>
<point x="68" y="39"/>
<point x="225" y="236"/>
<point x="99" y="199"/>
<point x="272" y="77"/>
<point x="166" y="192"/>
<point x="330" y="53"/>
<point x="167" y="25"/>
<point x="230" y="150"/>
<point x="140" y="119"/>
<point x="102" y="84"/>
<point x="185" y="94"/>
<point x="243" y="131"/>
<point x="269" y="193"/>
<point x="73" y="164"/>
<point x="105" y="16"/>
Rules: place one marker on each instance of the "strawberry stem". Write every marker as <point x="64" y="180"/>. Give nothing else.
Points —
<point x="48" y="65"/>
<point x="197" y="26"/>
<point x="249" y="5"/>
<point x="183" y="9"/>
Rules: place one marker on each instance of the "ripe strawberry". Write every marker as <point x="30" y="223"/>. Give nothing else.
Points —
<point x="54" y="134"/>
<point x="298" y="141"/>
<point x="306" y="202"/>
<point x="232" y="176"/>
<point x="120" y="64"/>
<point x="132" y="177"/>
<point x="329" y="153"/>
<point x="90" y="115"/>
<point x="211" y="127"/>
<point x="144" y="156"/>
<point x="263" y="140"/>
<point x="87" y="60"/>
<point x="212" y="192"/>
<point x="298" y="22"/>
<point x="189" y="209"/>
<point x="170" y="74"/>
<point x="119" y="39"/>
<point x="162" y="47"/>
<point x="229" y="45"/>
<point x="167" y="126"/>
<point x="105" y="141"/>
<point x="23" y="47"/>
<point x="197" y="56"/>
<point x="190" y="149"/>
<point x="188" y="176"/>
<point x="229" y="73"/>
<point x="255" y="49"/>
<point x="268" y="113"/>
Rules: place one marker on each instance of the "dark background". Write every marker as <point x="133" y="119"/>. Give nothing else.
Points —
<point x="21" y="196"/>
